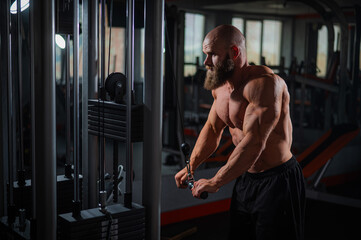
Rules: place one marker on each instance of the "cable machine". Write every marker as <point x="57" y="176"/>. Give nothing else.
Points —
<point x="110" y="120"/>
<point x="15" y="222"/>
<point x="118" y="119"/>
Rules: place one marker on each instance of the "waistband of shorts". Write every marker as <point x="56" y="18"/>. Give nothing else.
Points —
<point x="275" y="170"/>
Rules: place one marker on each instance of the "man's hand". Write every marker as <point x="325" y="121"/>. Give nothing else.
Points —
<point x="181" y="177"/>
<point x="204" y="185"/>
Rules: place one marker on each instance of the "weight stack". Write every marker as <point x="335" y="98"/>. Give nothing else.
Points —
<point x="13" y="231"/>
<point x="92" y="224"/>
<point x="108" y="119"/>
<point x="65" y="195"/>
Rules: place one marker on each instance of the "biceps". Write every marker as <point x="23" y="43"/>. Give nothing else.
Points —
<point x="214" y="121"/>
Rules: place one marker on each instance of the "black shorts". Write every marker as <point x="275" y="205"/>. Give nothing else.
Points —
<point x="270" y="204"/>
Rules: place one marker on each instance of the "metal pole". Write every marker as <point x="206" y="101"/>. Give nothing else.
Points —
<point x="178" y="56"/>
<point x="90" y="151"/>
<point x="84" y="89"/>
<point x="68" y="122"/>
<point x="129" y="85"/>
<point x="11" y="158"/>
<point x="101" y="93"/>
<point x="21" y="170"/>
<point x="11" y="150"/>
<point x="20" y="166"/>
<point x="344" y="83"/>
<point x="32" y="100"/>
<point x="45" y="117"/>
<point x="4" y="23"/>
<point x="20" y="90"/>
<point x="76" y="99"/>
<point x="321" y="173"/>
<point x="115" y="171"/>
<point x="302" y="110"/>
<point x="130" y="49"/>
<point x="153" y="107"/>
<point x="356" y="64"/>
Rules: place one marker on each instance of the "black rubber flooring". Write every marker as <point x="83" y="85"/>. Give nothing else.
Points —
<point x="323" y="220"/>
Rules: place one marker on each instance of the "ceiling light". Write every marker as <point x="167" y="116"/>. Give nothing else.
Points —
<point x="24" y="4"/>
<point x="59" y="40"/>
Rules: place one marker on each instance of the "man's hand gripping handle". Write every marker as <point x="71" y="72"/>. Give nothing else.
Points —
<point x="190" y="180"/>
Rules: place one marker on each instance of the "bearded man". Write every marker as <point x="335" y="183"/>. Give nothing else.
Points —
<point x="268" y="199"/>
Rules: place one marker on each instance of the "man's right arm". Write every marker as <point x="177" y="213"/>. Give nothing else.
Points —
<point x="208" y="139"/>
<point x="206" y="144"/>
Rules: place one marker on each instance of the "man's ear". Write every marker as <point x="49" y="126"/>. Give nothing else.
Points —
<point x="235" y="51"/>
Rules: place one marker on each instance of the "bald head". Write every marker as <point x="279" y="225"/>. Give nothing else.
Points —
<point x="226" y="36"/>
<point x="225" y="50"/>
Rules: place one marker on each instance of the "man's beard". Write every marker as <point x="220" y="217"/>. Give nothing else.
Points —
<point x="219" y="75"/>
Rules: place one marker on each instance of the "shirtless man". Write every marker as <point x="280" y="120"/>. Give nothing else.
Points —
<point x="269" y="196"/>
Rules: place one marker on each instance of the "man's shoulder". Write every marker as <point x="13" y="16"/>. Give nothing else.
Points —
<point x="263" y="82"/>
<point x="258" y="74"/>
<point x="257" y="70"/>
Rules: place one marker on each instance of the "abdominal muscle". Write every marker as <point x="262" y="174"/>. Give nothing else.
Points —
<point x="276" y="152"/>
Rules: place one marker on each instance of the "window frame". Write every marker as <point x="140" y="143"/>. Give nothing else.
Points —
<point x="245" y="19"/>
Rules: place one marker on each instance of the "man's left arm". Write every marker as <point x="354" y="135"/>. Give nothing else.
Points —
<point x="262" y="114"/>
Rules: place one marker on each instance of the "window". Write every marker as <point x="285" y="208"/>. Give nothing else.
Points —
<point x="271" y="44"/>
<point x="322" y="51"/>
<point x="336" y="43"/>
<point x="322" y="46"/>
<point x="117" y="50"/>
<point x="194" y="33"/>
<point x="253" y="41"/>
<point x="238" y="23"/>
<point x="263" y="38"/>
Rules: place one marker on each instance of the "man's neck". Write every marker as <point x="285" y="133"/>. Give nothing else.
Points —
<point x="238" y="76"/>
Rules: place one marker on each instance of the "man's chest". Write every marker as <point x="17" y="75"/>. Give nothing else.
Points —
<point x="231" y="109"/>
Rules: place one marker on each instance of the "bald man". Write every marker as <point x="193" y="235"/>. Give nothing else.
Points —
<point x="269" y="194"/>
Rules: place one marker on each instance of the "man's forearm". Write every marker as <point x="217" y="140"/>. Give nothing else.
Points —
<point x="242" y="158"/>
<point x="207" y="143"/>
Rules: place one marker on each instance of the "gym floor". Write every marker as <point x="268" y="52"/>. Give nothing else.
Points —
<point x="323" y="221"/>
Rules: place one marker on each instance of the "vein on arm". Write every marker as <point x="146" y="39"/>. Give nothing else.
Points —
<point x="208" y="139"/>
<point x="263" y="111"/>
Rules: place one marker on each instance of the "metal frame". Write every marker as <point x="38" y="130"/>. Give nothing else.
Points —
<point x="5" y="146"/>
<point x="101" y="138"/>
<point x="129" y="92"/>
<point x="326" y="197"/>
<point x="318" y="84"/>
<point x="43" y="28"/>
<point x="32" y="99"/>
<point x="356" y="63"/>
<point x="20" y="90"/>
<point x="76" y="147"/>
<point x="335" y="8"/>
<point x="67" y="104"/>
<point x="89" y="89"/>
<point x="11" y="120"/>
<point x="327" y="21"/>
<point x="321" y="174"/>
<point x="153" y="101"/>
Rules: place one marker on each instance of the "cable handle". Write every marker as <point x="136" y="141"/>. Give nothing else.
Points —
<point x="190" y="181"/>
